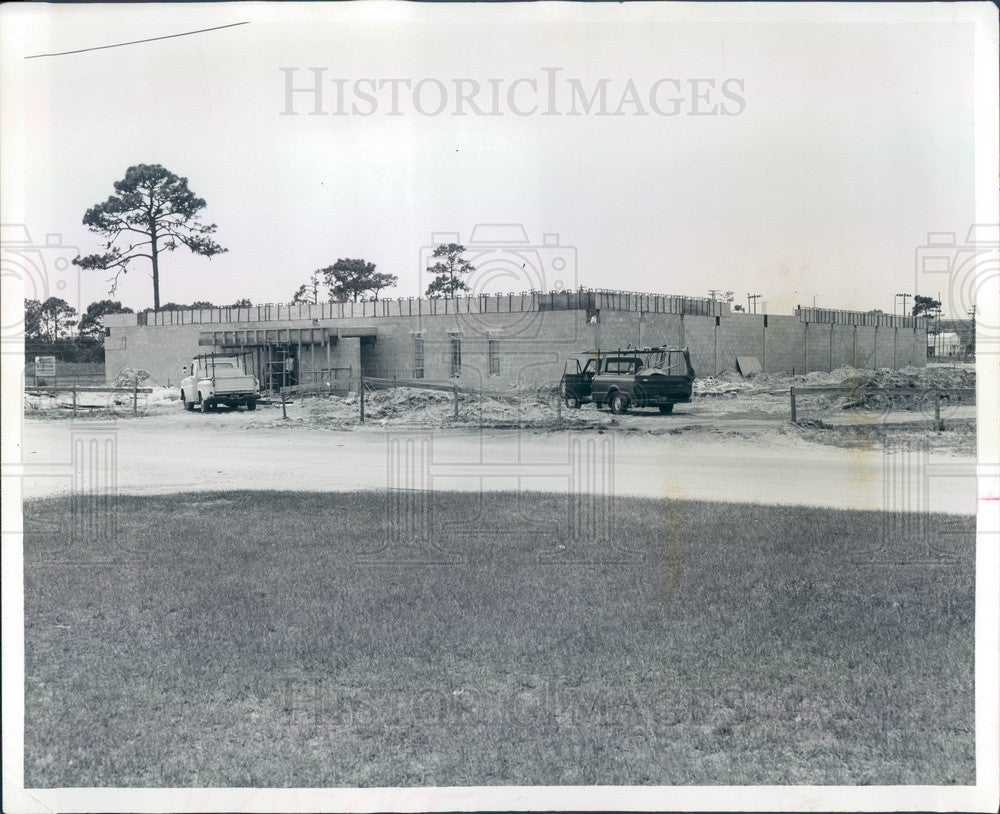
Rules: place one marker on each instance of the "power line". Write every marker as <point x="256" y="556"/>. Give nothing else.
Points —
<point x="137" y="42"/>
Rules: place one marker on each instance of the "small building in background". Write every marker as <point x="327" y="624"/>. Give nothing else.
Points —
<point x="944" y="344"/>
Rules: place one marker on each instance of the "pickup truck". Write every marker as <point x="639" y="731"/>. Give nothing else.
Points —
<point x="641" y="377"/>
<point x="215" y="380"/>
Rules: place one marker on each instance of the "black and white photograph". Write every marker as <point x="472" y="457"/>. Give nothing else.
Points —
<point x="445" y="406"/>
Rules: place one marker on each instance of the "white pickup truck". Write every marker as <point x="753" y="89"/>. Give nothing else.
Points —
<point x="215" y="380"/>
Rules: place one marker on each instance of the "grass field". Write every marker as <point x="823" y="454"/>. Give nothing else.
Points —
<point x="270" y="639"/>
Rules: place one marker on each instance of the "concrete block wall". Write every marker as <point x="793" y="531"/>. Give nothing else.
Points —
<point x="842" y="345"/>
<point x="865" y="346"/>
<point x="532" y="346"/>
<point x="884" y="347"/>
<point x="622" y="329"/>
<point x="816" y="347"/>
<point x="783" y="340"/>
<point x="163" y="350"/>
<point x="916" y="343"/>
<point x="160" y="351"/>
<point x="701" y="338"/>
<point x="740" y="335"/>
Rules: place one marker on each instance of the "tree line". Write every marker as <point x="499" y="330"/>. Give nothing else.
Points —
<point x="55" y="319"/>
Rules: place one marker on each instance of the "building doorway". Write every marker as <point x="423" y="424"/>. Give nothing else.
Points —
<point x="280" y="367"/>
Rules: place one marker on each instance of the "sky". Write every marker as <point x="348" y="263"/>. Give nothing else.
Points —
<point x="843" y="143"/>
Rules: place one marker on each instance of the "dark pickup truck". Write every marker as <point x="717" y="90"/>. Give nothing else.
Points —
<point x="641" y="377"/>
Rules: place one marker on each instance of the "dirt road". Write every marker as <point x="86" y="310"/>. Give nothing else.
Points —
<point x="156" y="455"/>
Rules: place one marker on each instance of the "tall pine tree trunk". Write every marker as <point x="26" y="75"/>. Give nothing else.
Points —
<point x="156" y="270"/>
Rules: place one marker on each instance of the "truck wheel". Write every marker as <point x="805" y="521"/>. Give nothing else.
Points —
<point x="666" y="409"/>
<point x="619" y="403"/>
<point x="203" y="404"/>
<point x="187" y="404"/>
<point x="572" y="403"/>
<point x="252" y="404"/>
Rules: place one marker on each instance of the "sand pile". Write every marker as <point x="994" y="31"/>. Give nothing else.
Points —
<point x="127" y="377"/>
<point x="730" y="383"/>
<point x="414" y="406"/>
<point x="898" y="382"/>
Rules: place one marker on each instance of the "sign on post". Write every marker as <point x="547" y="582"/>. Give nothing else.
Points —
<point x="45" y="368"/>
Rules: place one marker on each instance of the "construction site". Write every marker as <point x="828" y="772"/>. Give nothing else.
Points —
<point x="519" y="361"/>
<point x="503" y="343"/>
<point x="602" y="462"/>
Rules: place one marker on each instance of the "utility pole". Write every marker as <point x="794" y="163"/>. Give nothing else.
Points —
<point x="938" y="343"/>
<point x="752" y="298"/>
<point x="939" y="320"/>
<point x="971" y="345"/>
<point x="713" y="291"/>
<point x="905" y="298"/>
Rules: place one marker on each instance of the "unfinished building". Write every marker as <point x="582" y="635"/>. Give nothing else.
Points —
<point x="502" y="342"/>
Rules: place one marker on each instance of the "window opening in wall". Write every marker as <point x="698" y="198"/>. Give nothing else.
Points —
<point x="456" y="357"/>
<point x="494" y="357"/>
<point x="418" y="357"/>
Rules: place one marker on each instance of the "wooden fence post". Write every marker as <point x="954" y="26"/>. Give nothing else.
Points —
<point x="284" y="412"/>
<point x="938" y="423"/>
<point x="135" y="396"/>
<point x="791" y="394"/>
<point x="454" y="389"/>
<point x="361" y="395"/>
<point x="74" y="401"/>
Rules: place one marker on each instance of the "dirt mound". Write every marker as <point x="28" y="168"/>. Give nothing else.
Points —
<point x="128" y="377"/>
<point x="916" y="377"/>
<point x="850" y="380"/>
<point x="898" y="384"/>
<point x="415" y="406"/>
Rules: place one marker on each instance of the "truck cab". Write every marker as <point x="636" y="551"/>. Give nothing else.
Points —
<point x="215" y="379"/>
<point x="636" y="377"/>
